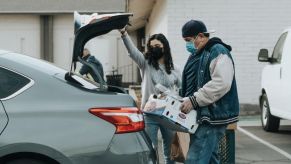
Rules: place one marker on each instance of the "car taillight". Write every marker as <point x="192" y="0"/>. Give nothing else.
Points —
<point x="128" y="119"/>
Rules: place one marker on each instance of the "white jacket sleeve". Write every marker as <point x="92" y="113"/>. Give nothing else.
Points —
<point x="222" y="73"/>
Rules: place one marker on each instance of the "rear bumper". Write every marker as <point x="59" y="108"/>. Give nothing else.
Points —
<point x="124" y="148"/>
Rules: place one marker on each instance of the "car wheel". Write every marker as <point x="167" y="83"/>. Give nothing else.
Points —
<point x="270" y="123"/>
<point x="25" y="161"/>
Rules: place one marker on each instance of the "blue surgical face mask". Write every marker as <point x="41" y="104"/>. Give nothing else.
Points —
<point x="191" y="47"/>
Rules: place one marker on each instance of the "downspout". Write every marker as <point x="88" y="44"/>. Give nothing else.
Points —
<point x="46" y="37"/>
<point x="127" y="6"/>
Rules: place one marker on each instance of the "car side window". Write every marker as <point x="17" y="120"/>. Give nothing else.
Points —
<point x="11" y="82"/>
<point x="277" y="53"/>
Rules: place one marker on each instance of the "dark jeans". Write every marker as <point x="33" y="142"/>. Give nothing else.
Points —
<point x="203" y="148"/>
<point x="152" y="128"/>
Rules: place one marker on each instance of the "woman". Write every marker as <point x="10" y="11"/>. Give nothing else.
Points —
<point x="156" y="66"/>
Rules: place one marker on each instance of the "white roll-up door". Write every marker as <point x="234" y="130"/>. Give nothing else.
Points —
<point x="20" y="33"/>
<point x="63" y="40"/>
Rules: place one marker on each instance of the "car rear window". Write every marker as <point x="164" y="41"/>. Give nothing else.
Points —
<point x="85" y="82"/>
<point x="78" y="80"/>
<point x="11" y="83"/>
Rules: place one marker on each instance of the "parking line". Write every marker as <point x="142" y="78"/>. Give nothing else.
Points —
<point x="284" y="153"/>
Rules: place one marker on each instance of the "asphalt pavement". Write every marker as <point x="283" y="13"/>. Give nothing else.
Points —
<point x="255" y="146"/>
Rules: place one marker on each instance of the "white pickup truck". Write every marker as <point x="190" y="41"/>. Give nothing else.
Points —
<point x="275" y="100"/>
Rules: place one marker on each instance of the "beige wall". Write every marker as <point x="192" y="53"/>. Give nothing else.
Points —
<point x="158" y="21"/>
<point x="61" y="6"/>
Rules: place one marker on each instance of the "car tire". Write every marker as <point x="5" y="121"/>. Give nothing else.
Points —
<point x="270" y="123"/>
<point x="25" y="161"/>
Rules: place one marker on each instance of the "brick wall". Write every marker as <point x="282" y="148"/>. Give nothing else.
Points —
<point x="247" y="26"/>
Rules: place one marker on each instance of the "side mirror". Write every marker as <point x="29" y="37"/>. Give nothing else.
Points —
<point x="263" y="55"/>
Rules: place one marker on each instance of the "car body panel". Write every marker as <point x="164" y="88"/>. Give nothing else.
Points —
<point x="3" y="52"/>
<point x="54" y="114"/>
<point x="90" y="26"/>
<point x="276" y="81"/>
<point x="285" y="80"/>
<point x="3" y="118"/>
<point x="271" y="82"/>
<point x="136" y="151"/>
<point x="96" y="25"/>
<point x="34" y="148"/>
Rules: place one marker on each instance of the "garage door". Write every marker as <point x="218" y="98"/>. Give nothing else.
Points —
<point x="21" y="34"/>
<point x="63" y="40"/>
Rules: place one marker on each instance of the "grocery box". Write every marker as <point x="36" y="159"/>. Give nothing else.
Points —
<point x="166" y="110"/>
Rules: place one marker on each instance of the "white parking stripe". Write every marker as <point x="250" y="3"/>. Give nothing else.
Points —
<point x="284" y="153"/>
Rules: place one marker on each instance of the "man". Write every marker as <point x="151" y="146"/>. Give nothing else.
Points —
<point x="209" y="87"/>
<point x="85" y="70"/>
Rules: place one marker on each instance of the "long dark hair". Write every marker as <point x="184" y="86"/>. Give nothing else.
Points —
<point x="167" y="53"/>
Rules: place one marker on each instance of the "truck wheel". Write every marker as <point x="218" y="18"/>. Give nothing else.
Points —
<point x="270" y="123"/>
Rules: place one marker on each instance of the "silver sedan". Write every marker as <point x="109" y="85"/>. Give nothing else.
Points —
<point x="49" y="116"/>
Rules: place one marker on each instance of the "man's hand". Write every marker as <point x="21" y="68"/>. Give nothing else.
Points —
<point x="188" y="104"/>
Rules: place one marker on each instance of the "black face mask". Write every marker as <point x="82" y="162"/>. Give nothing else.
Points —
<point x="157" y="52"/>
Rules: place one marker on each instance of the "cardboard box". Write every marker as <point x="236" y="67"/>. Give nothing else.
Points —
<point x="167" y="112"/>
<point x="154" y="103"/>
